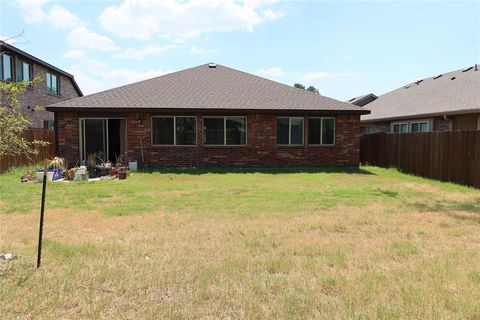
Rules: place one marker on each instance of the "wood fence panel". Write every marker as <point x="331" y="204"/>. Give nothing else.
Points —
<point x="46" y="152"/>
<point x="448" y="156"/>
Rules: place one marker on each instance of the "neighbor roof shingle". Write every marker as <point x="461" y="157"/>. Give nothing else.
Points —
<point x="449" y="93"/>
<point x="208" y="88"/>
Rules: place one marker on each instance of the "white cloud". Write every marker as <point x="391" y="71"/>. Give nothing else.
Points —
<point x="31" y="10"/>
<point x="94" y="76"/>
<point x="140" y="53"/>
<point x="314" y="76"/>
<point x="273" y="15"/>
<point x="271" y="72"/>
<point x="143" y="19"/>
<point x="74" y="53"/>
<point x="83" y="38"/>
<point x="196" y="50"/>
<point x="62" y="18"/>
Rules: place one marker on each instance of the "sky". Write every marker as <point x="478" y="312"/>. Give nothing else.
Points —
<point x="344" y="48"/>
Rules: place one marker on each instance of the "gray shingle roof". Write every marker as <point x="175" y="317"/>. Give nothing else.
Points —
<point x="363" y="99"/>
<point x="450" y="93"/>
<point x="203" y="87"/>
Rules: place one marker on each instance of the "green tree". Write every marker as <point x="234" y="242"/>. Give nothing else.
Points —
<point x="13" y="122"/>
<point x="312" y="89"/>
<point x="299" y="86"/>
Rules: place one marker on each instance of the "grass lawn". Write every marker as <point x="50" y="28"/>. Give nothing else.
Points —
<point x="366" y="244"/>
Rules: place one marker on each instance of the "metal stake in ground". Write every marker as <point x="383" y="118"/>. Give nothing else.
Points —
<point x="42" y="209"/>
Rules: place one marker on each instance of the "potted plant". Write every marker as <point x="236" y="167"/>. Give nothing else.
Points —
<point x="57" y="165"/>
<point x="92" y="165"/>
<point x="54" y="171"/>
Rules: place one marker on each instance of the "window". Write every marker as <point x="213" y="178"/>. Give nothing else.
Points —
<point x="52" y="84"/>
<point x="321" y="131"/>
<point x="23" y="71"/>
<point x="6" y="67"/>
<point x="178" y="131"/>
<point x="230" y="131"/>
<point x="400" y="127"/>
<point x="420" y="126"/>
<point x="48" y="124"/>
<point x="367" y="130"/>
<point x="290" y="131"/>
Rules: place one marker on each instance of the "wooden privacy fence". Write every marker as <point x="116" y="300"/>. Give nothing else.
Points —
<point x="448" y="156"/>
<point x="45" y="152"/>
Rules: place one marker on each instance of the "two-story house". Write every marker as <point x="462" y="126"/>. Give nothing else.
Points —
<point x="56" y="85"/>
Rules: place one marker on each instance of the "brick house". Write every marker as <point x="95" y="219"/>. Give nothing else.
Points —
<point x="57" y="85"/>
<point x="449" y="101"/>
<point x="210" y="116"/>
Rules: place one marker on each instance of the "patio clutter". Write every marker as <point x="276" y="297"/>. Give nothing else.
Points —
<point x="92" y="169"/>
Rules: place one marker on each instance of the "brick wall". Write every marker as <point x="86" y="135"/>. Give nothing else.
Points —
<point x="261" y="149"/>
<point x="38" y="96"/>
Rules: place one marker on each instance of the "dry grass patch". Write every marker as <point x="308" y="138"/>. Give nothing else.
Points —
<point x="247" y="245"/>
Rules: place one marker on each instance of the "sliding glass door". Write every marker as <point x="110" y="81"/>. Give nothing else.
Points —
<point x="103" y="139"/>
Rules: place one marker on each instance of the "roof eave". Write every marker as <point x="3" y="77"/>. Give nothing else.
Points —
<point x="207" y="110"/>
<point x="45" y="64"/>
<point x="424" y="115"/>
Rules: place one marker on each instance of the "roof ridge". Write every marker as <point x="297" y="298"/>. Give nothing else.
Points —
<point x="286" y="85"/>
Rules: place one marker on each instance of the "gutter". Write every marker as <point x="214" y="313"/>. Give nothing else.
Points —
<point x="423" y="115"/>
<point x="204" y="110"/>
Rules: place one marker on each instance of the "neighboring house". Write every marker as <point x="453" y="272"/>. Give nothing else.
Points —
<point x="449" y="101"/>
<point x="363" y="100"/>
<point x="57" y="85"/>
<point x="210" y="116"/>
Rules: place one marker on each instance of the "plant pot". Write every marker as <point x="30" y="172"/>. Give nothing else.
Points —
<point x="40" y="175"/>
<point x="57" y="174"/>
<point x="132" y="165"/>
<point x="91" y="173"/>
<point x="81" y="177"/>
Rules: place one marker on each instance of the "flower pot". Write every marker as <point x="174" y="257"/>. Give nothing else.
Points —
<point x="40" y="175"/>
<point x="92" y="172"/>
<point x="132" y="165"/>
<point x="57" y="174"/>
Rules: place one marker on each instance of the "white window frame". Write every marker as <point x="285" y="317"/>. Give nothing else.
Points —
<point x="419" y="122"/>
<point x="290" y="132"/>
<point x="23" y="75"/>
<point x="49" y="74"/>
<point x="225" y="132"/>
<point x="82" y="139"/>
<point x="174" y="132"/>
<point x="409" y="123"/>
<point x="321" y="129"/>
<point x="400" y="124"/>
<point x="12" y="66"/>
<point x="369" y="129"/>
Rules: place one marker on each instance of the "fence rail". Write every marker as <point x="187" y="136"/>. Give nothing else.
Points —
<point x="8" y="162"/>
<point x="447" y="156"/>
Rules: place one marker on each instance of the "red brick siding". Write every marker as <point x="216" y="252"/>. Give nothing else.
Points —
<point x="68" y="136"/>
<point x="38" y="96"/>
<point x="261" y="149"/>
